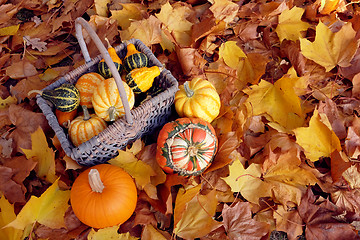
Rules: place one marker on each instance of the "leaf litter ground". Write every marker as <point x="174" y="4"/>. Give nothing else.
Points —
<point x="288" y="75"/>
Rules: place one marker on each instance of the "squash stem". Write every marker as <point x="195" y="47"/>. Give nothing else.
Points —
<point x="86" y="113"/>
<point x="112" y="111"/>
<point x="108" y="43"/>
<point x="35" y="91"/>
<point x="188" y="91"/>
<point x="95" y="181"/>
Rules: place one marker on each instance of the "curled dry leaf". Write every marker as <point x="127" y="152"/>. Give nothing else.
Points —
<point x="239" y="224"/>
<point x="320" y="219"/>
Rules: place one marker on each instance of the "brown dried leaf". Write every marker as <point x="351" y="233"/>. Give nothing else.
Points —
<point x="338" y="165"/>
<point x="320" y="219"/>
<point x="228" y="142"/>
<point x="190" y="60"/>
<point x="21" y="69"/>
<point x="335" y="117"/>
<point x="21" y="118"/>
<point x="239" y="224"/>
<point x="291" y="50"/>
<point x="289" y="221"/>
<point x="21" y="89"/>
<point x="12" y="190"/>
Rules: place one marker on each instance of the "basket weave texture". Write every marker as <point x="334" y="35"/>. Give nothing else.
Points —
<point x="152" y="113"/>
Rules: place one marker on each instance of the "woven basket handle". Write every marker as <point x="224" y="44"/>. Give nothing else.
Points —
<point x="79" y="23"/>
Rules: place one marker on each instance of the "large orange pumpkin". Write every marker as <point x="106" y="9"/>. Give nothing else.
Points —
<point x="103" y="196"/>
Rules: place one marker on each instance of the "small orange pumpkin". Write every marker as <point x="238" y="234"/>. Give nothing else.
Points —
<point x="64" y="118"/>
<point x="103" y="196"/>
<point x="86" y="85"/>
<point x="85" y="127"/>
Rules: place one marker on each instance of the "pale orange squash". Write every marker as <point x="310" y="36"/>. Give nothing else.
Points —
<point x="86" y="85"/>
<point x="107" y="102"/>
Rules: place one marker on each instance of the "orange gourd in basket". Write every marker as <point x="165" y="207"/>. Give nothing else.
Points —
<point x="107" y="102"/>
<point x="86" y="85"/>
<point x="64" y="118"/>
<point x="85" y="127"/>
<point x="103" y="196"/>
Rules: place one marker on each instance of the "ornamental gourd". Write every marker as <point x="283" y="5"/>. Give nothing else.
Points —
<point x="107" y="102"/>
<point x="103" y="196"/>
<point x="85" y="127"/>
<point x="64" y="118"/>
<point x="186" y="146"/>
<point x="141" y="79"/>
<point x="86" y="85"/>
<point x="104" y="69"/>
<point x="65" y="98"/>
<point x="197" y="98"/>
<point x="134" y="58"/>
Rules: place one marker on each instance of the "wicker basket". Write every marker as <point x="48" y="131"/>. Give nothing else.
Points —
<point x="150" y="114"/>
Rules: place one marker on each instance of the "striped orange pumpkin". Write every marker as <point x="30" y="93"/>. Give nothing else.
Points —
<point x="86" y="85"/>
<point x="186" y="146"/>
<point x="107" y="102"/>
<point x="85" y="127"/>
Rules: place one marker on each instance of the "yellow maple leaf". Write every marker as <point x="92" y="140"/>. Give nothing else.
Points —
<point x="109" y="233"/>
<point x="247" y="181"/>
<point x="318" y="140"/>
<point x="10" y="30"/>
<point x="7" y="215"/>
<point x="101" y="7"/>
<point x="327" y="6"/>
<point x="331" y="49"/>
<point x="197" y="217"/>
<point x="284" y="181"/>
<point x="147" y="30"/>
<point x="290" y="25"/>
<point x="139" y="170"/>
<point x="278" y="101"/>
<point x="174" y="19"/>
<point x="4" y="103"/>
<point x="48" y="209"/>
<point x="247" y="71"/>
<point x="150" y="233"/>
<point x="129" y="13"/>
<point x="287" y="180"/>
<point x="42" y="154"/>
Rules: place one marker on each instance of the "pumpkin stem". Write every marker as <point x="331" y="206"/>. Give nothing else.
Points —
<point x="112" y="111"/>
<point x="188" y="91"/>
<point x="86" y="113"/>
<point x="95" y="181"/>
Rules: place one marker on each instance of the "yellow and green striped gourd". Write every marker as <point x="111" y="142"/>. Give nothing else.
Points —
<point x="65" y="98"/>
<point x="104" y="70"/>
<point x="134" y="58"/>
<point x="141" y="79"/>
